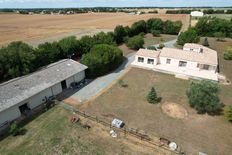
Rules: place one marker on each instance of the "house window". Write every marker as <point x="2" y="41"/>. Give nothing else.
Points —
<point x="150" y="61"/>
<point x="140" y="59"/>
<point x="206" y="67"/>
<point x="182" y="63"/>
<point x="168" y="61"/>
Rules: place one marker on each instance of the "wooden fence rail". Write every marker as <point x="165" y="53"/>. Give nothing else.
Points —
<point x="127" y="131"/>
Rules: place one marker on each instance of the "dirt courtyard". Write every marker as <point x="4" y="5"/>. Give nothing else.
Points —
<point x="31" y="28"/>
<point x="177" y="121"/>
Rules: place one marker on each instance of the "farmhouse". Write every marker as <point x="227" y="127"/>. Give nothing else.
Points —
<point x="28" y="92"/>
<point x="197" y="14"/>
<point x="194" y="61"/>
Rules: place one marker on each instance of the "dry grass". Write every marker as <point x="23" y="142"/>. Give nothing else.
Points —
<point x="150" y="40"/>
<point x="52" y="133"/>
<point x="194" y="133"/>
<point x="35" y="27"/>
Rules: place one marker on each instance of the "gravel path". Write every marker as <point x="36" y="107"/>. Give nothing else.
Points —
<point x="102" y="82"/>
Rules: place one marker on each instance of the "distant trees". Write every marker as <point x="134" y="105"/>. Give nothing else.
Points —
<point x="203" y="96"/>
<point x="102" y="59"/>
<point x="189" y="36"/>
<point x="135" y="42"/>
<point x="152" y="96"/>
<point x="228" y="54"/>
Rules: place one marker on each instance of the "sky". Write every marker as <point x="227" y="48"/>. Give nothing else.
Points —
<point x="111" y="3"/>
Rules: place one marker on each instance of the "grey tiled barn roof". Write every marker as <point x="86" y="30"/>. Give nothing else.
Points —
<point x="17" y="90"/>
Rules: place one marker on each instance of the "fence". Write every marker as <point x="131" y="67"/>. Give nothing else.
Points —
<point x="128" y="131"/>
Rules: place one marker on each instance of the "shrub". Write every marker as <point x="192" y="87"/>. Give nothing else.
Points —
<point x="155" y="33"/>
<point x="219" y="35"/>
<point x="228" y="54"/>
<point x="102" y="59"/>
<point x="152" y="96"/>
<point x="189" y="36"/>
<point x="138" y="27"/>
<point x="15" y="130"/>
<point x="161" y="45"/>
<point x="135" y="42"/>
<point x="205" y="42"/>
<point x="228" y="113"/>
<point x="122" y="83"/>
<point x="151" y="48"/>
<point x="203" y="96"/>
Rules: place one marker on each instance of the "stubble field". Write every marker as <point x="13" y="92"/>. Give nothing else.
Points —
<point x="32" y="28"/>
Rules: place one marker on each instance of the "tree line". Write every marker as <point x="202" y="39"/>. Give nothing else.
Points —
<point x="18" y="58"/>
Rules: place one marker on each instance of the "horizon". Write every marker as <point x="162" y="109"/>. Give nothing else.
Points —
<point x="31" y="4"/>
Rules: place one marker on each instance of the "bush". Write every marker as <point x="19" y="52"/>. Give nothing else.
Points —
<point x="135" y="42"/>
<point x="189" y="36"/>
<point x="15" y="130"/>
<point x="155" y="24"/>
<point x="102" y="59"/>
<point x="219" y="35"/>
<point x="205" y="42"/>
<point x="138" y="27"/>
<point x="155" y="33"/>
<point x="228" y="54"/>
<point x="228" y="113"/>
<point x="151" y="48"/>
<point x="122" y="83"/>
<point x="203" y="96"/>
<point x="161" y="45"/>
<point x="152" y="96"/>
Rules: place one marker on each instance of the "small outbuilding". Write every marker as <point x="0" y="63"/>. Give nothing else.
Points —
<point x="30" y="91"/>
<point x="197" y="14"/>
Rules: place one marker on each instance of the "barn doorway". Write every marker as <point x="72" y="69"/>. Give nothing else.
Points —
<point x="24" y="109"/>
<point x="63" y="85"/>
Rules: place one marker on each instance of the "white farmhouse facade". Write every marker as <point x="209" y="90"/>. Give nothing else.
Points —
<point x="32" y="90"/>
<point x="197" y="14"/>
<point x="194" y="61"/>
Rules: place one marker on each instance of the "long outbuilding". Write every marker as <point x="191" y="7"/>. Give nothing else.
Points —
<point x="30" y="91"/>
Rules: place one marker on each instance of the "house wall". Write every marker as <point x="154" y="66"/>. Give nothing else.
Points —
<point x="9" y="114"/>
<point x="145" y="64"/>
<point x="175" y="63"/>
<point x="79" y="76"/>
<point x="39" y="98"/>
<point x="56" y="89"/>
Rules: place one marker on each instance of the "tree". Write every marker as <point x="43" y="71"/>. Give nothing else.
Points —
<point x="228" y="54"/>
<point x="104" y="38"/>
<point x="155" y="33"/>
<point x="205" y="42"/>
<point x="228" y="113"/>
<point x="155" y="24"/>
<point x="138" y="27"/>
<point x="189" y="36"/>
<point x="152" y="96"/>
<point x="47" y="53"/>
<point x="172" y="27"/>
<point x="203" y="96"/>
<point x="135" y="42"/>
<point x="16" y="59"/>
<point x="102" y="59"/>
<point x="69" y="46"/>
<point x="161" y="45"/>
<point x="119" y="34"/>
<point x="219" y="35"/>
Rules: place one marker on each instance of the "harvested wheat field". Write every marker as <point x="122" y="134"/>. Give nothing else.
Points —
<point x="36" y="27"/>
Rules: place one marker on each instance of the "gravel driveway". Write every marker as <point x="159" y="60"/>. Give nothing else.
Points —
<point x="102" y="82"/>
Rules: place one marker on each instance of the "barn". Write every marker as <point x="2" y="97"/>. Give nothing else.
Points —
<point x="197" y="14"/>
<point x="28" y="92"/>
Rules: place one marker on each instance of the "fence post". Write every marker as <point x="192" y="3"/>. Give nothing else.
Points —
<point x="97" y="119"/>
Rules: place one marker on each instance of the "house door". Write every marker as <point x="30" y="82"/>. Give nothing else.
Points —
<point x="63" y="85"/>
<point x="24" y="109"/>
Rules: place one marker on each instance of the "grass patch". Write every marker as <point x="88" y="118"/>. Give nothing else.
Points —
<point x="150" y="40"/>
